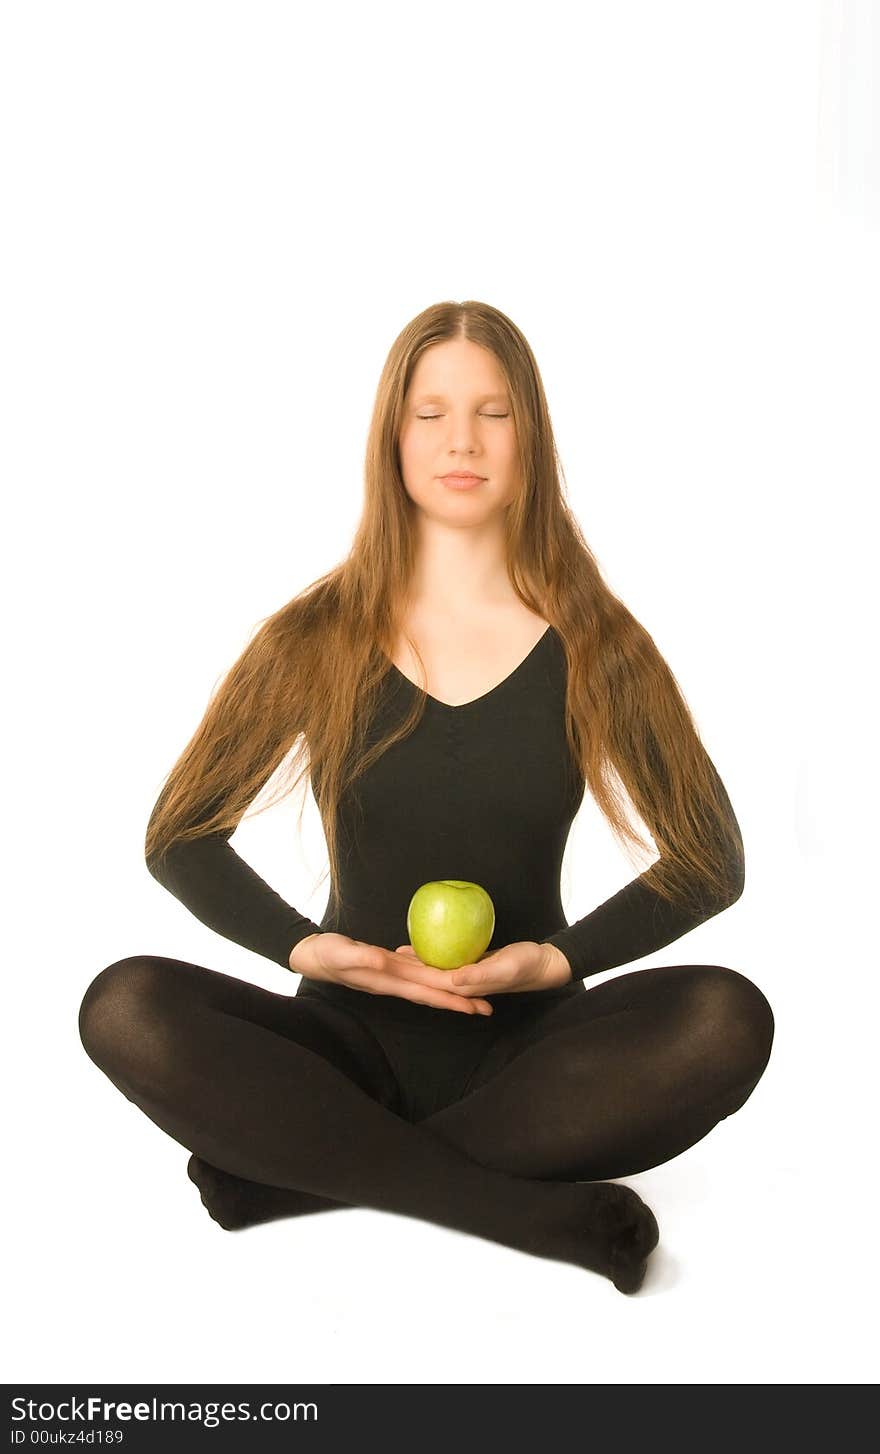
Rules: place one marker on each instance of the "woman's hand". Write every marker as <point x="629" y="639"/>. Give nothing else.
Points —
<point x="378" y="971"/>
<point x="520" y="966"/>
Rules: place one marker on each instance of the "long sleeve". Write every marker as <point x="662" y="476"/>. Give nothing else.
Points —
<point x="224" y="892"/>
<point x="637" y="921"/>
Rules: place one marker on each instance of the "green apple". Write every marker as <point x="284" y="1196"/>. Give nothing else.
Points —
<point x="450" y="922"/>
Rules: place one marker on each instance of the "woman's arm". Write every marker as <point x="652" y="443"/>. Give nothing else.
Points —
<point x="637" y="920"/>
<point x="219" y="888"/>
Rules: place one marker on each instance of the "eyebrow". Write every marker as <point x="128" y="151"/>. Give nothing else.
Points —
<point x="440" y="398"/>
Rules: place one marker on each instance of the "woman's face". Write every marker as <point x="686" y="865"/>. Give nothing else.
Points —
<point x="457" y="417"/>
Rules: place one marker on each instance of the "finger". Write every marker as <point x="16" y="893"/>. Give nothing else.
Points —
<point x="382" y="972"/>
<point x="444" y="977"/>
<point x="478" y="983"/>
<point x="415" y="971"/>
<point x="375" y="982"/>
<point x="469" y="977"/>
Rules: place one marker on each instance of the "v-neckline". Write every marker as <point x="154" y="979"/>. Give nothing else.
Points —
<point x="475" y="701"/>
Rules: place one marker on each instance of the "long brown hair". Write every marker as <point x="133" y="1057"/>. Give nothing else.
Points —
<point x="310" y="677"/>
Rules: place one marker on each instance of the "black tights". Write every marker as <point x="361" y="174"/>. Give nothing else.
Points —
<point x="290" y="1098"/>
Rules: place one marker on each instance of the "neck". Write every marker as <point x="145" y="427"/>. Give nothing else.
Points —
<point x="458" y="570"/>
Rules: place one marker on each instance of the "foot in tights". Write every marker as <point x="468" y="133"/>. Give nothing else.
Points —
<point x="235" y="1203"/>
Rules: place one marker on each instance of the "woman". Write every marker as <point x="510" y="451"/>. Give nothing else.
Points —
<point x="451" y="688"/>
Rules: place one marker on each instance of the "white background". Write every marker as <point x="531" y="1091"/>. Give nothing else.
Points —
<point x="217" y="218"/>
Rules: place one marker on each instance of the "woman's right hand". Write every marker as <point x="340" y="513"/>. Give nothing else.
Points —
<point x="378" y="971"/>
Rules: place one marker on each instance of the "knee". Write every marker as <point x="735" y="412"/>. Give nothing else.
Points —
<point x="736" y="1017"/>
<point x="114" y="1004"/>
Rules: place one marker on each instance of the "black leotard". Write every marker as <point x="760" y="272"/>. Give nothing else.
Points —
<point x="485" y="791"/>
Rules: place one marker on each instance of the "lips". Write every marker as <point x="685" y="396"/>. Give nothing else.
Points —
<point x="459" y="475"/>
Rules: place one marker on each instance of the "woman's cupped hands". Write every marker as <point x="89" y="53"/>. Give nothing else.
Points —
<point x="375" y="970"/>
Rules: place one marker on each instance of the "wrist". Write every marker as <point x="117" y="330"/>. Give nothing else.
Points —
<point x="304" y="940"/>
<point x="560" y="969"/>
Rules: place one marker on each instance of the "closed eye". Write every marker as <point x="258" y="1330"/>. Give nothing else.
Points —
<point x="440" y="416"/>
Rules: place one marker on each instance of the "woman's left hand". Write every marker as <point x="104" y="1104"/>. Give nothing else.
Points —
<point x="521" y="966"/>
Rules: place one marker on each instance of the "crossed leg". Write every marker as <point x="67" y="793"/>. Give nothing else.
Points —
<point x="246" y="1079"/>
<point x="608" y="1084"/>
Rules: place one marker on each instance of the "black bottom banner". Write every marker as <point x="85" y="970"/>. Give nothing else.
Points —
<point x="252" y="1416"/>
